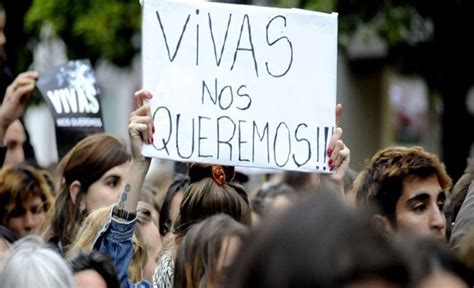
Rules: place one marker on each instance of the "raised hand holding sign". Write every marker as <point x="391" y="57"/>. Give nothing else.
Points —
<point x="240" y="85"/>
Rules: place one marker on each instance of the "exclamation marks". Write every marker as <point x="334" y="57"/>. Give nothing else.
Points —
<point x="324" y="152"/>
<point x="317" y="146"/>
<point x="326" y="131"/>
<point x="197" y="40"/>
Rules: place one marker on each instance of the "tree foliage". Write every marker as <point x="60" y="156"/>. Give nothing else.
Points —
<point x="396" y="23"/>
<point x="91" y="28"/>
<point x="106" y="28"/>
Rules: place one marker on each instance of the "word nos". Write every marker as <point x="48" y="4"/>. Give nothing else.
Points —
<point x="227" y="139"/>
<point x="226" y="96"/>
<point x="274" y="24"/>
<point x="72" y="100"/>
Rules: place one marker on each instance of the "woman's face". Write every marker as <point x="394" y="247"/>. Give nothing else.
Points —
<point x="173" y="214"/>
<point x="106" y="191"/>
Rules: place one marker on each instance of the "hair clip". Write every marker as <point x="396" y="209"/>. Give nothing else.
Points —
<point x="218" y="174"/>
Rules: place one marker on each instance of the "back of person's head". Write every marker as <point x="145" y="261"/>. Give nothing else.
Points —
<point x="86" y="162"/>
<point x="206" y="252"/>
<point x="381" y="182"/>
<point x="97" y="262"/>
<point x="31" y="264"/>
<point x="318" y="243"/>
<point x="179" y="185"/>
<point x="18" y="185"/>
<point x="302" y="182"/>
<point x="7" y="238"/>
<point x="458" y="194"/>
<point x="465" y="249"/>
<point x="267" y="194"/>
<point x="211" y="192"/>
<point x="432" y="261"/>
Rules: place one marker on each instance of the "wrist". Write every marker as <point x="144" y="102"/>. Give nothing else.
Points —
<point x="140" y="166"/>
<point x="3" y="130"/>
<point x="3" y="125"/>
<point x="123" y="214"/>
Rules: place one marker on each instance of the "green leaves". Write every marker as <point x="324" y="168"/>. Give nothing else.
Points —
<point x="91" y="28"/>
<point x="394" y="23"/>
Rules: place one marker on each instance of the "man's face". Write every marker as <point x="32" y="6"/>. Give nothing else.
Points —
<point x="14" y="138"/>
<point x="419" y="209"/>
<point x="3" y="20"/>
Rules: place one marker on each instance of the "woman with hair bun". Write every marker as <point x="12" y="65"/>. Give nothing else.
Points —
<point x="210" y="192"/>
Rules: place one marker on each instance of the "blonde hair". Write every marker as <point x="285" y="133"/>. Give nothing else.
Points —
<point x="88" y="231"/>
<point x="93" y="223"/>
<point x="140" y="258"/>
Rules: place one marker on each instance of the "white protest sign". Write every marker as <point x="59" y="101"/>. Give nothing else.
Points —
<point x="240" y="85"/>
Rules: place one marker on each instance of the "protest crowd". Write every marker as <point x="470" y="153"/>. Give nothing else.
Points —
<point x="97" y="220"/>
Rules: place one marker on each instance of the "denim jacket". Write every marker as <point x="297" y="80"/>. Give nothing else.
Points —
<point x="115" y="240"/>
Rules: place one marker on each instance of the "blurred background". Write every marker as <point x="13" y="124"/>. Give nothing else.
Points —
<point x="404" y="67"/>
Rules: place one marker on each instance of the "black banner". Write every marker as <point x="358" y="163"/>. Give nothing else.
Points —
<point x="72" y="95"/>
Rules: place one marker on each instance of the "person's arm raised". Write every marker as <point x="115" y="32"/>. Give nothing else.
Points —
<point x="140" y="129"/>
<point x="16" y="99"/>
<point x="339" y="155"/>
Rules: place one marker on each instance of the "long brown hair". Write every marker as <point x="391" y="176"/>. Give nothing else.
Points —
<point x="205" y="197"/>
<point x="198" y="254"/>
<point x="86" y="162"/>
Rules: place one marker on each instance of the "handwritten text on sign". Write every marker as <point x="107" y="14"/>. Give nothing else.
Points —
<point x="240" y="85"/>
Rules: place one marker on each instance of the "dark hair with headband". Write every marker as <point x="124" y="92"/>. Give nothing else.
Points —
<point x="211" y="192"/>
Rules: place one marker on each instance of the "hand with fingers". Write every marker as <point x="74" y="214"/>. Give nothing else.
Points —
<point x="140" y="129"/>
<point x="339" y="154"/>
<point x="140" y="126"/>
<point x="16" y="99"/>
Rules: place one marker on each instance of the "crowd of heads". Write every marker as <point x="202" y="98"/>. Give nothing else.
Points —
<point x="283" y="233"/>
<point x="396" y="223"/>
